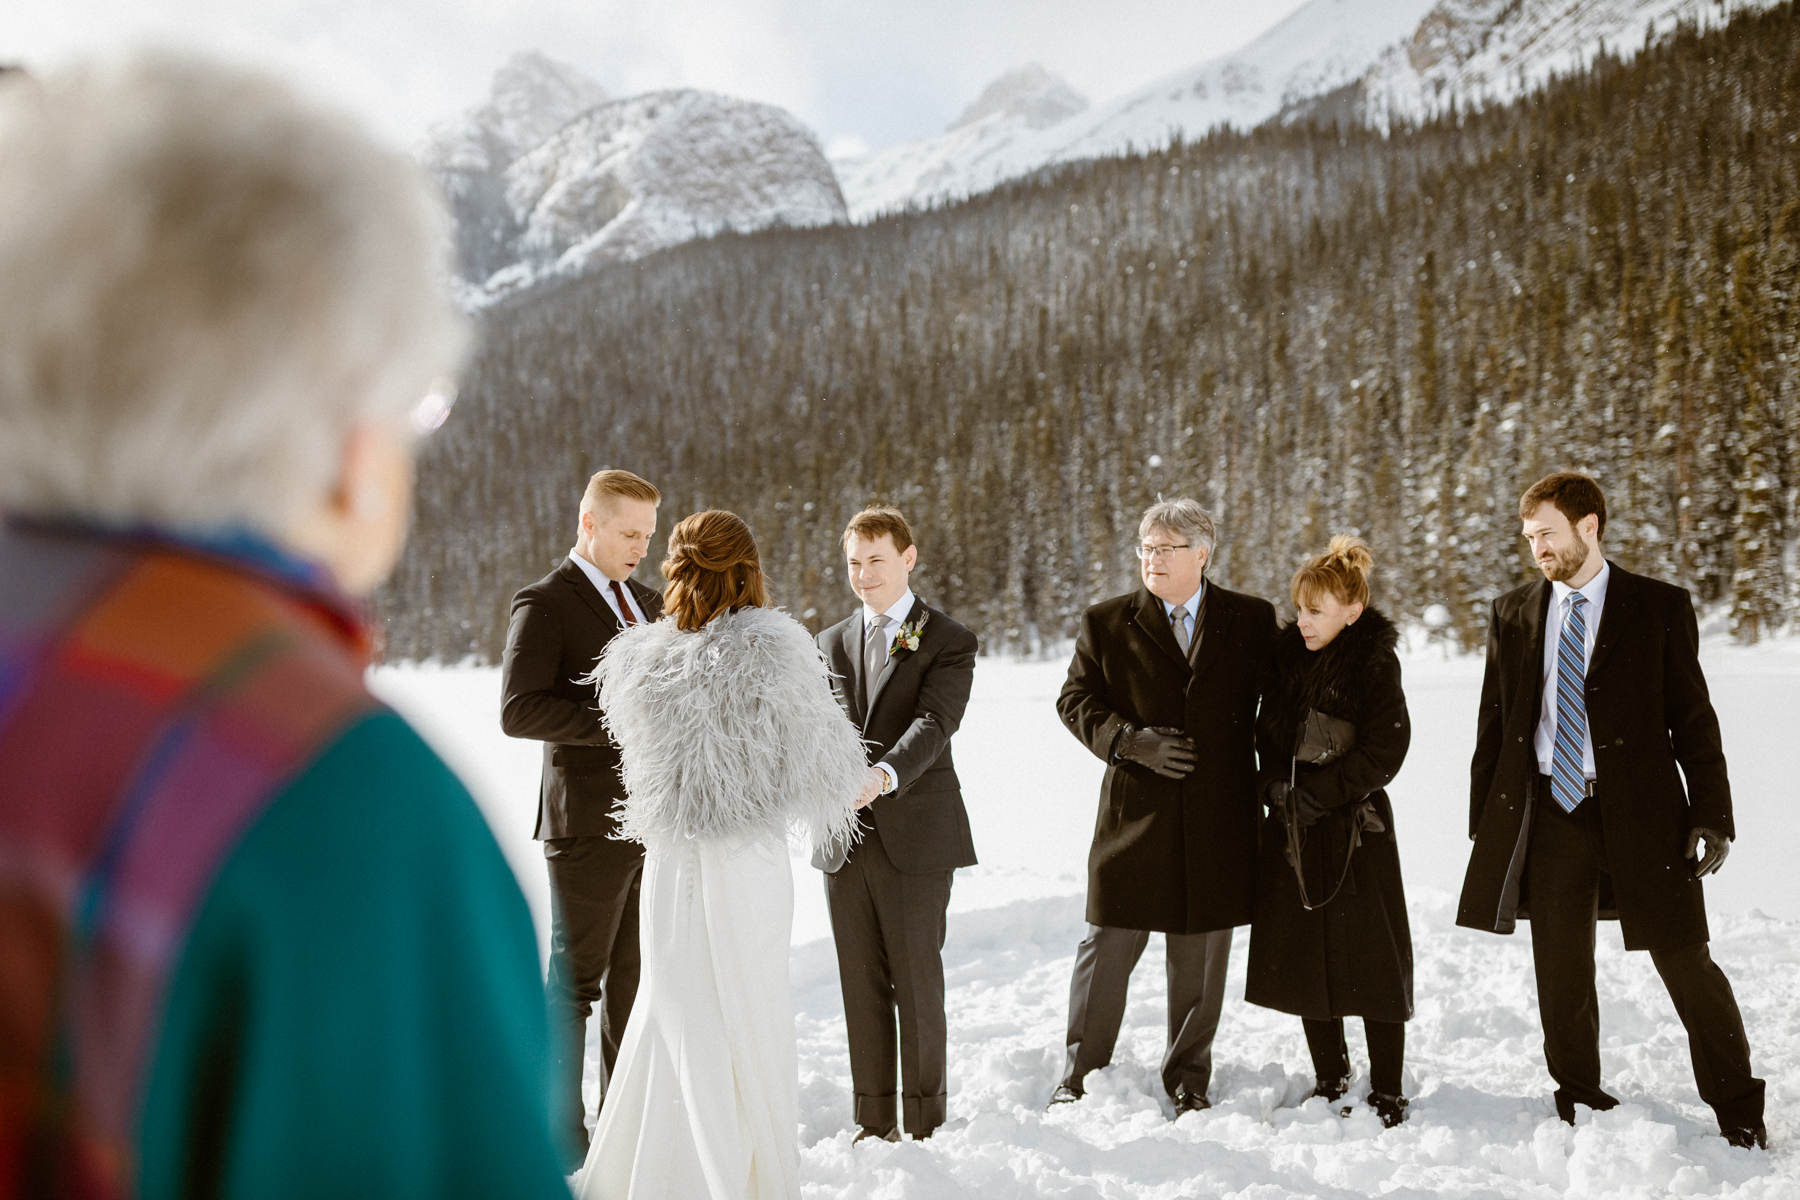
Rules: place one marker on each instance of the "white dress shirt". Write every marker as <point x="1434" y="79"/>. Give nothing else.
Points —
<point x="896" y="615"/>
<point x="603" y="585"/>
<point x="1544" y="740"/>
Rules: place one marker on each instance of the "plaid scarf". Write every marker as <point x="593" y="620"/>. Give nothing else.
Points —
<point x="155" y="696"/>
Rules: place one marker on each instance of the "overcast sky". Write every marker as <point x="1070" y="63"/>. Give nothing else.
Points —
<point x="880" y="71"/>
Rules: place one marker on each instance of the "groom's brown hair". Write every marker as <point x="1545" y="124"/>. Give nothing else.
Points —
<point x="876" y="520"/>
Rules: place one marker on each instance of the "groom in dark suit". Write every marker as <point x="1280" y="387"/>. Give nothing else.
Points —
<point x="559" y="626"/>
<point x="902" y="670"/>
<point x="1599" y="788"/>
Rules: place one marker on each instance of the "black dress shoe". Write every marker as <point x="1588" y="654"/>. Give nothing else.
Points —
<point x="1188" y="1101"/>
<point x="1064" y="1094"/>
<point x="1565" y="1105"/>
<point x="1391" y="1109"/>
<point x="1330" y="1089"/>
<point x="1747" y="1137"/>
<point x="864" y="1133"/>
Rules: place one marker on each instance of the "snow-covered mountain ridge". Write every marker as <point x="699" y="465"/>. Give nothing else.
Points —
<point x="1391" y="58"/>
<point x="549" y="176"/>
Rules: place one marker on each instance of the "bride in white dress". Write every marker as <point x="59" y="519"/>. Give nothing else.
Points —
<point x="730" y="740"/>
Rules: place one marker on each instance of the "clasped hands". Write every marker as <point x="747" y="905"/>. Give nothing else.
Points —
<point x="873" y="785"/>
<point x="1164" y="750"/>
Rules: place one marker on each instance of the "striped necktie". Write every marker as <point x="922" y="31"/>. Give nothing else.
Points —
<point x="1568" y="781"/>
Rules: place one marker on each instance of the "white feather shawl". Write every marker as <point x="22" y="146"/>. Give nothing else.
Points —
<point x="731" y="729"/>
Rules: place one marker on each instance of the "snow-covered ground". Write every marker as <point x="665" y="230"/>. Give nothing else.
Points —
<point x="1482" y="1125"/>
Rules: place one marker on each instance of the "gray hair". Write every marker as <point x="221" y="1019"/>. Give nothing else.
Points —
<point x="1185" y="519"/>
<point x="206" y="282"/>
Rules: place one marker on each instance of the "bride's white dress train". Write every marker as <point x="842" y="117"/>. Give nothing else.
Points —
<point x="729" y="739"/>
<point x="704" y="1100"/>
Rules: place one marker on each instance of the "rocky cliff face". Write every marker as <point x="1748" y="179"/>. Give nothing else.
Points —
<point x="531" y="97"/>
<point x="549" y="176"/>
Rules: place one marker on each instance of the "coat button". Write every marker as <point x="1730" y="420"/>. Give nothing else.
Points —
<point x="1521" y="738"/>
<point x="1618" y="741"/>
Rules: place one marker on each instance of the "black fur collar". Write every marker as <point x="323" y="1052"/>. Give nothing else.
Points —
<point x="1331" y="679"/>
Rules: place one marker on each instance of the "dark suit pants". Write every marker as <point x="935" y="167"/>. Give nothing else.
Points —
<point x="889" y="929"/>
<point x="1331" y="1056"/>
<point x="1196" y="976"/>
<point x="593" y="957"/>
<point x="1564" y="868"/>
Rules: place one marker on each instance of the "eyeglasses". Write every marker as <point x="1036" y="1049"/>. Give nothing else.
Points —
<point x="1148" y="553"/>
<point x="433" y="408"/>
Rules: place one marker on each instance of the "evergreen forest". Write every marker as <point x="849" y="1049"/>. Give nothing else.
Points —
<point x="1312" y="328"/>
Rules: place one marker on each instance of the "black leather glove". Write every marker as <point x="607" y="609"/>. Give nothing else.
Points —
<point x="1717" y="847"/>
<point x="1275" y="795"/>
<point x="1166" y="751"/>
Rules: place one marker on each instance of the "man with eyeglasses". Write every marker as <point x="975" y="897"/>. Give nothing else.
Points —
<point x="1163" y="689"/>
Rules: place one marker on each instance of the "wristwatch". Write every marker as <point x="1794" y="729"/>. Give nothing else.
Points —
<point x="888" y="782"/>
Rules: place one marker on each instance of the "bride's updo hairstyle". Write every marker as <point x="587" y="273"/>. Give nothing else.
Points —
<point x="712" y="568"/>
<point x="1342" y="571"/>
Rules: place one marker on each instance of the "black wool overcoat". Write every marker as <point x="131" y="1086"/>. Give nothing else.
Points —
<point x="1352" y="957"/>
<point x="1173" y="856"/>
<point x="1653" y="727"/>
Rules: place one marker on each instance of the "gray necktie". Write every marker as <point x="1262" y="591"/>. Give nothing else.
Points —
<point x="1178" y="621"/>
<point x="875" y="654"/>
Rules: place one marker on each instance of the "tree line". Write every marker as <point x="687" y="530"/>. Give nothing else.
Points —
<point x="1311" y="328"/>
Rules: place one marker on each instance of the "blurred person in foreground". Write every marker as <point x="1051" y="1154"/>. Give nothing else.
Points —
<point x="1330" y="938"/>
<point x="729" y="737"/>
<point x="1598" y="789"/>
<point x="259" y="941"/>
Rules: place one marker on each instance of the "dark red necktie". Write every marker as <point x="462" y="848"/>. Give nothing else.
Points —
<point x="624" y="604"/>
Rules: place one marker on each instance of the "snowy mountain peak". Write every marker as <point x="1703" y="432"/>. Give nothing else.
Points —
<point x="530" y="97"/>
<point x="1030" y="95"/>
<point x="625" y="178"/>
<point x="533" y="95"/>
<point x="1489" y="51"/>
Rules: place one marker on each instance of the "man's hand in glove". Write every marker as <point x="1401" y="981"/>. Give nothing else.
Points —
<point x="1166" y="751"/>
<point x="1717" y="847"/>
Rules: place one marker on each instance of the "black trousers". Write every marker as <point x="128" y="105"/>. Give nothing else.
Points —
<point x="1331" y="1056"/>
<point x="1564" y="866"/>
<point x="889" y="930"/>
<point x="1195" y="968"/>
<point x="593" y="958"/>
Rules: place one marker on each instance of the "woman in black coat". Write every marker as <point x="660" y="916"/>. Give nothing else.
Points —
<point x="1330" y="936"/>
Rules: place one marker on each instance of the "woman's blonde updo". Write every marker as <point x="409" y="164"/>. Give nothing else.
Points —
<point x="712" y="568"/>
<point x="1342" y="571"/>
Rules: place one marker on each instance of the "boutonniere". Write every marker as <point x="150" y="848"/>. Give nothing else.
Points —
<point x="908" y="636"/>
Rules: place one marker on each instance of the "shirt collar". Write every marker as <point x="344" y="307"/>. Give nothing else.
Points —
<point x="1594" y="591"/>
<point x="901" y="609"/>
<point x="602" y="583"/>
<point x="1192" y="603"/>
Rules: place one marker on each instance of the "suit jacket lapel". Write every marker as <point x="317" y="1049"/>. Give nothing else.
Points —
<point x="1211" y="632"/>
<point x="851" y="642"/>
<point x="1532" y="623"/>
<point x="1150" y="616"/>
<point x="887" y="669"/>
<point x="649" y="600"/>
<point x="584" y="587"/>
<point x="1621" y="603"/>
